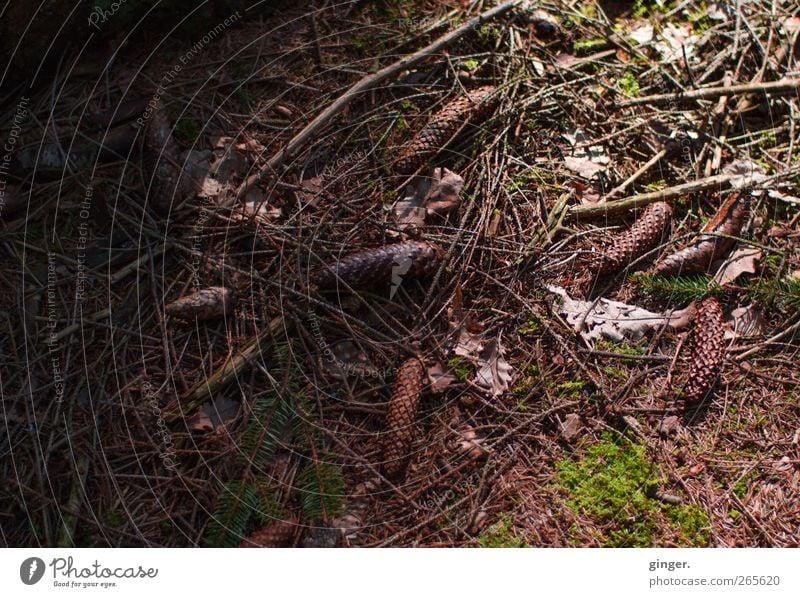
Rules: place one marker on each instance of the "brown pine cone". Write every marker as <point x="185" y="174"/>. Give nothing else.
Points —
<point x="637" y="240"/>
<point x="208" y="303"/>
<point x="392" y="263"/>
<point x="165" y="180"/>
<point x="708" y="350"/>
<point x="280" y="533"/>
<point x="402" y="416"/>
<point x="475" y="107"/>
<point x="698" y="256"/>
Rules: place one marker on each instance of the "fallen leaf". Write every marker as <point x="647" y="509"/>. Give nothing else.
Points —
<point x="609" y="319"/>
<point x="743" y="260"/>
<point x="669" y="426"/>
<point x="571" y="426"/>
<point x="745" y="322"/>
<point x="583" y="166"/>
<point x="494" y="374"/>
<point x="345" y="358"/>
<point x="426" y="196"/>
<point x="643" y="35"/>
<point x="468" y="345"/>
<point x="676" y="40"/>
<point x="439" y="379"/>
<point x="213" y="414"/>
<point x="745" y="173"/>
<point x="587" y="160"/>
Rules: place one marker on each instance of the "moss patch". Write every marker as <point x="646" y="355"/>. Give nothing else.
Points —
<point x="501" y="534"/>
<point x="612" y="485"/>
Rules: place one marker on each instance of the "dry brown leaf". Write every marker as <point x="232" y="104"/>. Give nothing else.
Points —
<point x="609" y="319"/>
<point x="468" y="345"/>
<point x="743" y="260"/>
<point x="439" y="379"/>
<point x="427" y="196"/>
<point x="494" y="374"/>
<point x="571" y="426"/>
<point x="745" y="322"/>
<point x="213" y="415"/>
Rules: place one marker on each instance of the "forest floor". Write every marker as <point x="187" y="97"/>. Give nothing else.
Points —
<point x="539" y="423"/>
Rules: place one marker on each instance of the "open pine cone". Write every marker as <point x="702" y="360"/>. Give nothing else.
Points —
<point x="402" y="416"/>
<point x="475" y="107"/>
<point x="708" y="350"/>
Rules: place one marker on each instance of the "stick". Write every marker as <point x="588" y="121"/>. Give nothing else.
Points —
<point x="209" y="387"/>
<point x="636" y="175"/>
<point x="714" y="92"/>
<point x="368" y="82"/>
<point x="623" y="205"/>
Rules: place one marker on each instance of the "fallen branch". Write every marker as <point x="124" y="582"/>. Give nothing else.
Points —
<point x="310" y="130"/>
<point x="209" y="387"/>
<point x="613" y="208"/>
<point x="714" y="92"/>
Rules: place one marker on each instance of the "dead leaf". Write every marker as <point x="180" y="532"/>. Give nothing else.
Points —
<point x="643" y="35"/>
<point x="468" y="345"/>
<point x="426" y="196"/>
<point x="311" y="187"/>
<point x="669" y="426"/>
<point x="495" y="373"/>
<point x="445" y="192"/>
<point x="676" y="41"/>
<point x="608" y="319"/>
<point x="745" y="173"/>
<point x="743" y="260"/>
<point x="745" y="322"/>
<point x="213" y="415"/>
<point x="571" y="426"/>
<point x="345" y="358"/>
<point x="583" y="166"/>
<point x="587" y="160"/>
<point x="439" y="379"/>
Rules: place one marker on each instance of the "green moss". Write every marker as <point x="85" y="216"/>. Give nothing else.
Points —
<point x="489" y="33"/>
<point x="460" y="368"/>
<point x="615" y="373"/>
<point x="501" y="534"/>
<point x="113" y="519"/>
<point x="692" y="522"/>
<point x="588" y="45"/>
<point x="644" y="8"/>
<point x="629" y="84"/>
<point x="571" y="389"/>
<point x="187" y="130"/>
<point x="402" y="124"/>
<point x="699" y="18"/>
<point x="533" y="325"/>
<point x="629" y="349"/>
<point x="470" y="64"/>
<point x="612" y="483"/>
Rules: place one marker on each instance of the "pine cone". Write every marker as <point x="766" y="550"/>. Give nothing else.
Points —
<point x="637" y="240"/>
<point x="280" y="533"/>
<point x="402" y="416"/>
<point x="392" y="263"/>
<point x="167" y="182"/>
<point x="708" y="349"/>
<point x="698" y="256"/>
<point x="475" y="107"/>
<point x="208" y="303"/>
